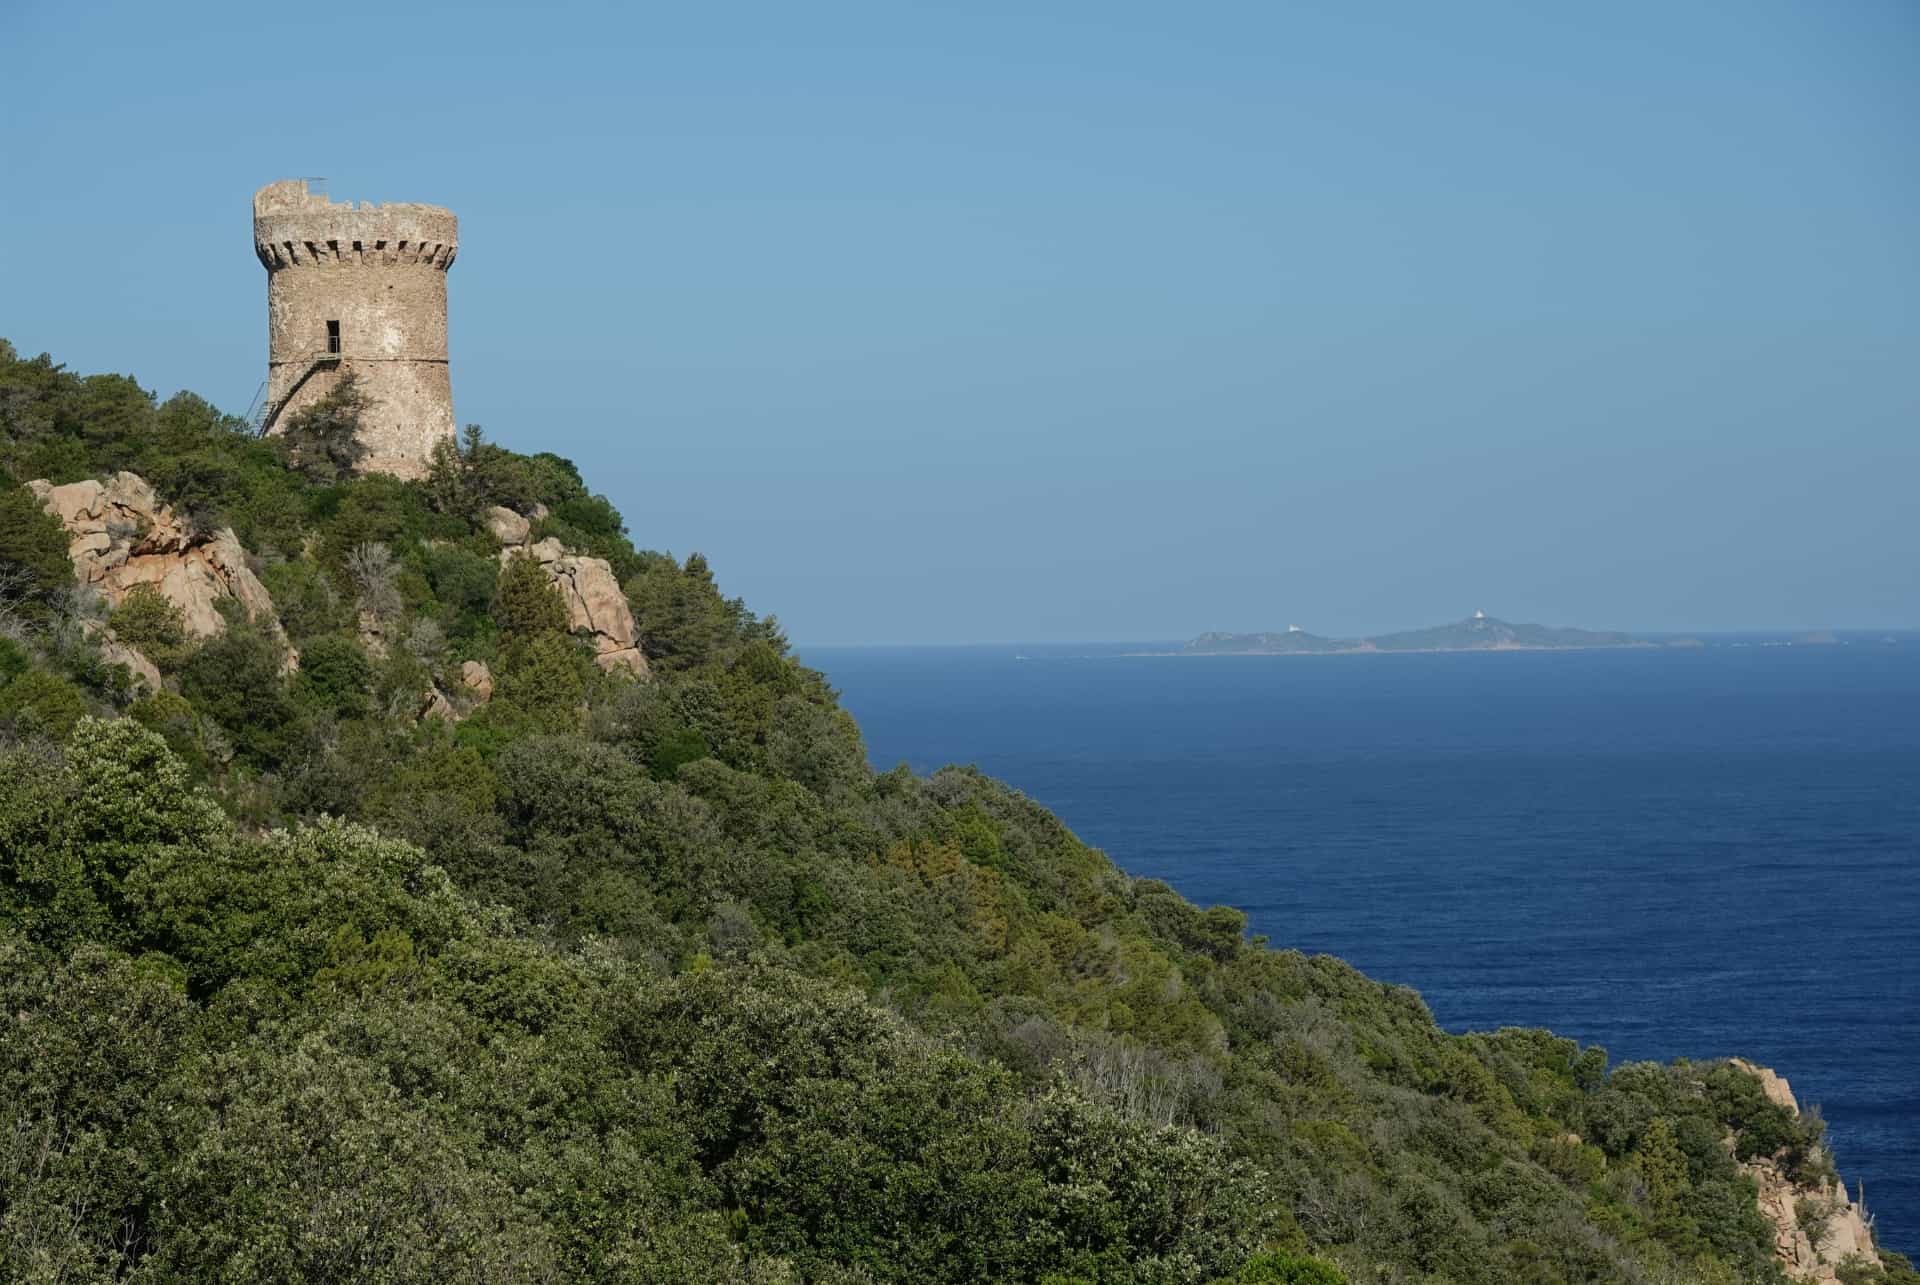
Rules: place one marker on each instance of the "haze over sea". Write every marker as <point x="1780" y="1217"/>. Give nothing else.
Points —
<point x="1667" y="852"/>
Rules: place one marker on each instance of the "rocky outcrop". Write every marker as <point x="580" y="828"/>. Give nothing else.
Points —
<point x="478" y="680"/>
<point x="434" y="704"/>
<point x="1834" y="1228"/>
<point x="595" y="605"/>
<point x="123" y="536"/>
<point x="475" y="689"/>
<point x="1772" y="1083"/>
<point x="508" y="527"/>
<point x="115" y="652"/>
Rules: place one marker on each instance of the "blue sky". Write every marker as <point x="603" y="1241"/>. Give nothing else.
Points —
<point x="1079" y="321"/>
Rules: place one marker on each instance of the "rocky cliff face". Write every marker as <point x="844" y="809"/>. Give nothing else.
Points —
<point x="123" y="536"/>
<point x="595" y="605"/>
<point x="1834" y="1227"/>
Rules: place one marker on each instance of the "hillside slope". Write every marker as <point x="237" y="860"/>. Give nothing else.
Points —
<point x="391" y="937"/>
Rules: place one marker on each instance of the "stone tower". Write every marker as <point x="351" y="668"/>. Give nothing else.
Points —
<point x="360" y="290"/>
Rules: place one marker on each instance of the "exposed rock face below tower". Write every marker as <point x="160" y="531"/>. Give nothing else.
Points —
<point x="595" y="605"/>
<point x="123" y="536"/>
<point x="359" y="290"/>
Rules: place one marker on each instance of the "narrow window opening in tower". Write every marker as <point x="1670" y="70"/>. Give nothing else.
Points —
<point x="333" y="336"/>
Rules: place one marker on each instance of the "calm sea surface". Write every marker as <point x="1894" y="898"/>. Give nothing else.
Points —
<point x="1666" y="852"/>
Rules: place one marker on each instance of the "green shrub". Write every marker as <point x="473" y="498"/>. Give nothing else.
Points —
<point x="1286" y="1269"/>
<point x="39" y="703"/>
<point x="33" y="545"/>
<point x="306" y="599"/>
<point x="683" y="619"/>
<point x="322" y="440"/>
<point x="238" y="680"/>
<point x="673" y="751"/>
<point x="15" y="660"/>
<point x="335" y="676"/>
<point x="463" y="582"/>
<point x="169" y="715"/>
<point x="526" y="605"/>
<point x="545" y="678"/>
<point x="150" y="624"/>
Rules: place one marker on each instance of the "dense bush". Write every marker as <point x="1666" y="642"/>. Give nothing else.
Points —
<point x="33" y="550"/>
<point x="40" y="703"/>
<point x="321" y="441"/>
<point x="145" y="621"/>
<point x="304" y="1056"/>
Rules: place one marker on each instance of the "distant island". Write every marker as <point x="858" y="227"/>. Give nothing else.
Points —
<point x="1478" y="632"/>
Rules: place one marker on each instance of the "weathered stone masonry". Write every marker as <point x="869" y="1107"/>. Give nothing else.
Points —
<point x="362" y="290"/>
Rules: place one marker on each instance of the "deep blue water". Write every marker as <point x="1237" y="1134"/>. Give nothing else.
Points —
<point x="1665" y="852"/>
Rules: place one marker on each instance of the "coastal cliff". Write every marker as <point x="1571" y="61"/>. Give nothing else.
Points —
<point x="1817" y="1227"/>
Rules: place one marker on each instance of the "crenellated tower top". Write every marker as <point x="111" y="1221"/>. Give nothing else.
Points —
<point x="294" y="226"/>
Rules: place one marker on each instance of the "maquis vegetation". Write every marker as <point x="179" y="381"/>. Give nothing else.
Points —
<point x="652" y="978"/>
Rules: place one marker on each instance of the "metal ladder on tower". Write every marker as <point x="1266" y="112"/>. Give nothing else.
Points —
<point x="256" y="410"/>
<point x="261" y="414"/>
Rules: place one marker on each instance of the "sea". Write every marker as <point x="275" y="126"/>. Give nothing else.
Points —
<point x="1694" y="851"/>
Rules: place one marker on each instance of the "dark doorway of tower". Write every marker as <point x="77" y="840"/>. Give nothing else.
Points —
<point x="333" y="336"/>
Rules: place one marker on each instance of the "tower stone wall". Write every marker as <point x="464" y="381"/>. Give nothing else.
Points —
<point x="361" y="290"/>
